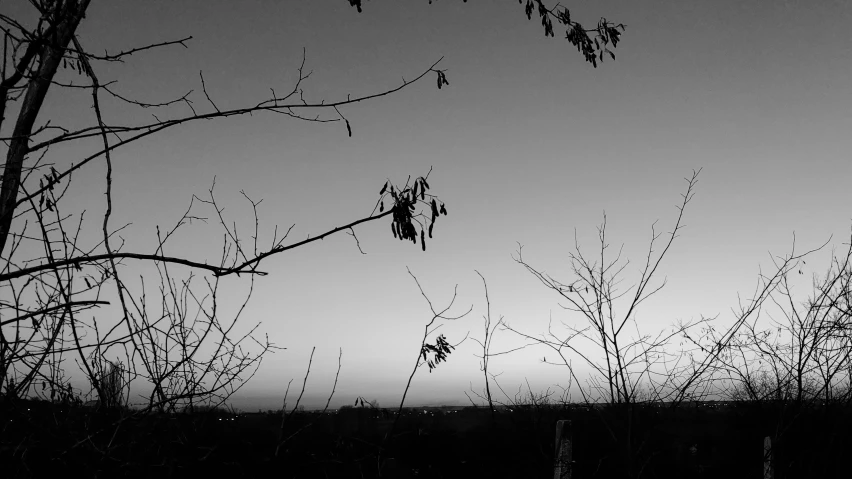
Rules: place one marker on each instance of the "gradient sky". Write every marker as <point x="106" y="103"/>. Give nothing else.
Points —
<point x="527" y="143"/>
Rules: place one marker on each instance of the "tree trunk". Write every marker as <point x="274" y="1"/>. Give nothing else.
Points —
<point x="65" y="17"/>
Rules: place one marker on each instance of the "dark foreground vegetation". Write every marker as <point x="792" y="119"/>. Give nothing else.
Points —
<point x="42" y="439"/>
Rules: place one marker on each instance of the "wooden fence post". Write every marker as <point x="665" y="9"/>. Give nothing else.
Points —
<point x="767" y="458"/>
<point x="564" y="451"/>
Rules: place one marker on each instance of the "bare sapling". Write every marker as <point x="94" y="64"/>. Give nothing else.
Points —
<point x="489" y="328"/>
<point x="632" y="366"/>
<point x="428" y="354"/>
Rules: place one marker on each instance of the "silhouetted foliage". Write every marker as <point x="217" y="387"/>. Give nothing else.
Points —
<point x="406" y="220"/>
<point x="440" y="350"/>
<point x="591" y="43"/>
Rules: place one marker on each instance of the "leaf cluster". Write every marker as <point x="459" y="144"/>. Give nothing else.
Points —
<point x="593" y="49"/>
<point x="404" y="210"/>
<point x="442" y="79"/>
<point x="440" y="349"/>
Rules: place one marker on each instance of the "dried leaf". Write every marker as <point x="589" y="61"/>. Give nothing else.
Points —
<point x="384" y="188"/>
<point x="348" y="128"/>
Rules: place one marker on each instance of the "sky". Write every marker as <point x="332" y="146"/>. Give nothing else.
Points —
<point x="527" y="145"/>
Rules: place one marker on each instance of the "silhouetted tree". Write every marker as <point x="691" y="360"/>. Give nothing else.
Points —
<point x="629" y="366"/>
<point x="625" y="370"/>
<point x="801" y="356"/>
